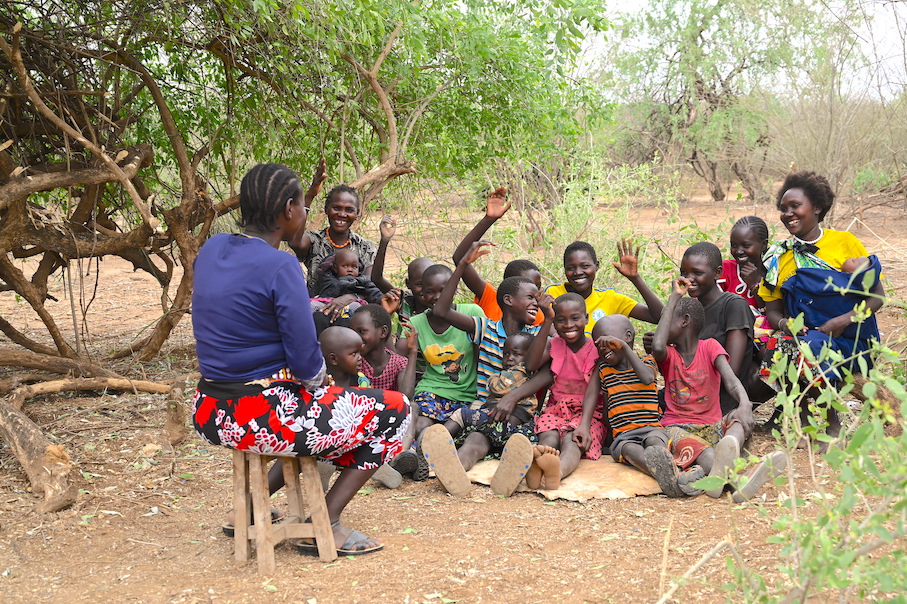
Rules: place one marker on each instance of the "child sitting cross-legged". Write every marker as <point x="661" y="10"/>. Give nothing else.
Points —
<point x="631" y="400"/>
<point x="694" y="371"/>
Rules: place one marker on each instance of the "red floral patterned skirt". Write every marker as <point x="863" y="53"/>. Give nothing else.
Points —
<point x="350" y="427"/>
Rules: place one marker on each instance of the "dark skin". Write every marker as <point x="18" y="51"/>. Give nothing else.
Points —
<point x="580" y="270"/>
<point x="431" y="292"/>
<point x="676" y="330"/>
<point x="290" y="228"/>
<point x="374" y="349"/>
<point x="748" y="250"/>
<point x="518" y="310"/>
<point x="703" y="280"/>
<point x="801" y="218"/>
<point x="496" y="206"/>
<point x="342" y="349"/>
<point x="614" y="340"/>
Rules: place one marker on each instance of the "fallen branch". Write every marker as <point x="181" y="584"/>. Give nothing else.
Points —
<point x="47" y="465"/>
<point x="46" y="362"/>
<point x="20" y="394"/>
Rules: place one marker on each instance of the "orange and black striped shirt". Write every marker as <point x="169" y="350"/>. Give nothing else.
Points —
<point x="630" y="403"/>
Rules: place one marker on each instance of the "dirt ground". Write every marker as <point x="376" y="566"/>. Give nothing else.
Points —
<point x="146" y="526"/>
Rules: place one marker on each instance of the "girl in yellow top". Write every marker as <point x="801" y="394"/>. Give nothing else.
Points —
<point x="580" y="268"/>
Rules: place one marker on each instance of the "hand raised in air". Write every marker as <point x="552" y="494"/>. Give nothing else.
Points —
<point x="321" y="175"/>
<point x="477" y="250"/>
<point x="388" y="227"/>
<point x="628" y="264"/>
<point x="497" y="203"/>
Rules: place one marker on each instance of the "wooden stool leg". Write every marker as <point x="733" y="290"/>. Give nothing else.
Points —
<point x="321" y="520"/>
<point x="242" y="549"/>
<point x="261" y="508"/>
<point x="294" y="492"/>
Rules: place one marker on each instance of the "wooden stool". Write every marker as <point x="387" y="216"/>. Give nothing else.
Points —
<point x="251" y="470"/>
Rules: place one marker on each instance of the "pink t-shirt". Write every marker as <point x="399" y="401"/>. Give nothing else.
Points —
<point x="693" y="394"/>
<point x="572" y="370"/>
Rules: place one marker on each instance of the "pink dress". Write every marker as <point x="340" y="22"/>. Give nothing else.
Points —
<point x="564" y="409"/>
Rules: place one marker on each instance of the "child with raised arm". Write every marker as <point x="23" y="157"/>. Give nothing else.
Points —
<point x="631" y="401"/>
<point x="580" y="268"/>
<point x="694" y="371"/>
<point x="485" y="293"/>
<point x="728" y="318"/>
<point x="517" y="298"/>
<point x="449" y="381"/>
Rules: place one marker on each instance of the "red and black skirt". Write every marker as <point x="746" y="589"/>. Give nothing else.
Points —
<point x="349" y="427"/>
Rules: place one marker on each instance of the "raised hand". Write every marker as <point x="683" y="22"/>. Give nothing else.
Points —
<point x="391" y="300"/>
<point x="545" y="301"/>
<point x="388" y="227"/>
<point x="497" y="203"/>
<point x="628" y="264"/>
<point x="681" y="286"/>
<point x="321" y="175"/>
<point x="477" y="250"/>
<point x="647" y="339"/>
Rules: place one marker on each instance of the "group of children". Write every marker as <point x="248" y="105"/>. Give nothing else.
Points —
<point x="476" y="373"/>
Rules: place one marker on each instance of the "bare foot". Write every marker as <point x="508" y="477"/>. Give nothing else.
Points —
<point x="550" y="464"/>
<point x="534" y="475"/>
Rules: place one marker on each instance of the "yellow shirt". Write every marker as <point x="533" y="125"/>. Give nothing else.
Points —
<point x="834" y="248"/>
<point x="600" y="302"/>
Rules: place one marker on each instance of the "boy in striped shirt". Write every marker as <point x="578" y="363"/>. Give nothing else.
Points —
<point x="631" y="402"/>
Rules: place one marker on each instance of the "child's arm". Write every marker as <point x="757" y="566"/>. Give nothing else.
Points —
<point x="442" y="308"/>
<point x="582" y="436"/>
<point x="645" y="373"/>
<point x="744" y="410"/>
<point x="540" y="349"/>
<point x="495" y="208"/>
<point x="629" y="267"/>
<point x="660" y="341"/>
<point x="388" y="228"/>
<point x="407" y="381"/>
<point x="507" y="403"/>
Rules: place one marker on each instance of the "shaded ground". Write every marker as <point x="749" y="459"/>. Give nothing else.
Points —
<point x="146" y="526"/>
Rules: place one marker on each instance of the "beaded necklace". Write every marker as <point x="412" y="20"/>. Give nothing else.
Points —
<point x="821" y="232"/>
<point x="327" y="233"/>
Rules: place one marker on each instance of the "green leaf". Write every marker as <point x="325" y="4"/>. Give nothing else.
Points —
<point x="710" y="482"/>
